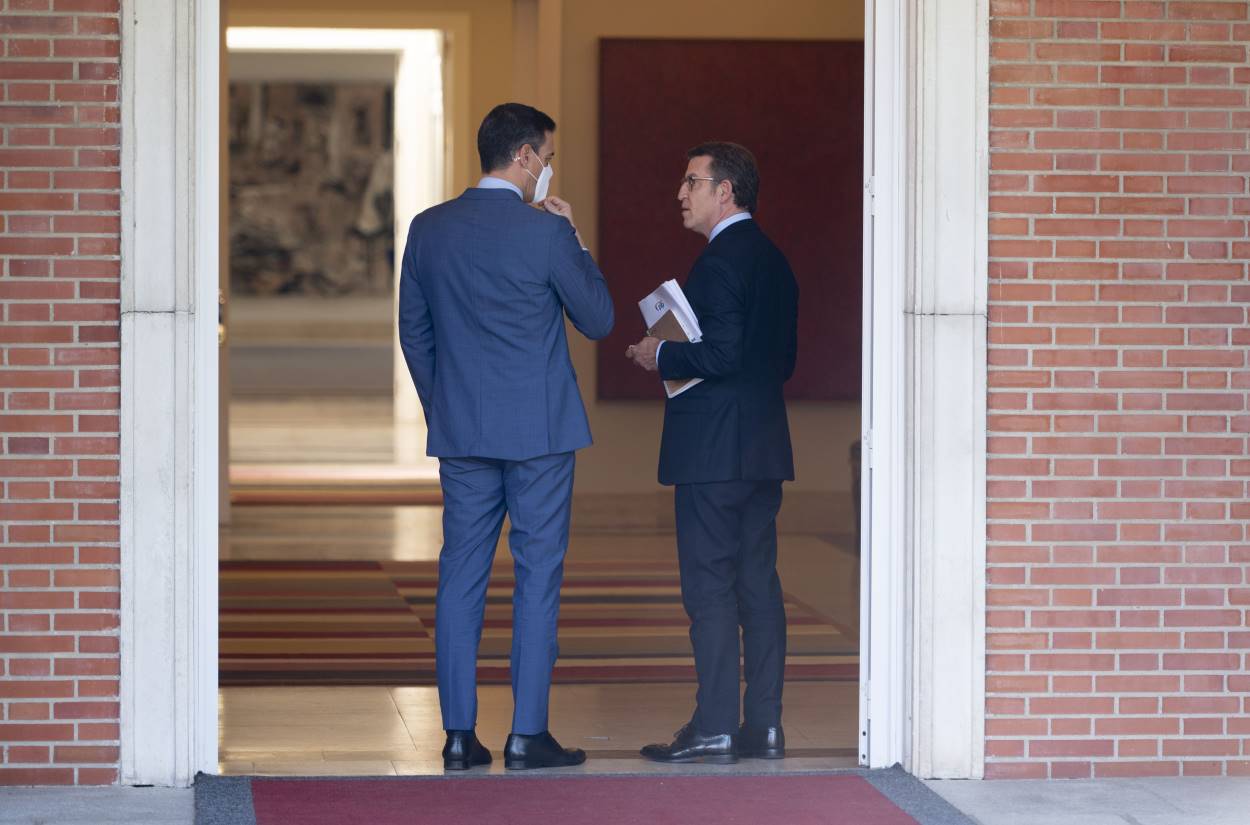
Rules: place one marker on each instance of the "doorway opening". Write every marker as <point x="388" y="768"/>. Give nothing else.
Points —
<point x="332" y="136"/>
<point x="923" y="671"/>
<point x="325" y="627"/>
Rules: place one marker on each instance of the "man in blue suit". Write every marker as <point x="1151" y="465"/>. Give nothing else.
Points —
<point x="486" y="283"/>
<point x="726" y="448"/>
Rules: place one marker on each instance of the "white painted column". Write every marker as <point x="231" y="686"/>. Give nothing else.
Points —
<point x="946" y="386"/>
<point x="925" y="405"/>
<point x="169" y="390"/>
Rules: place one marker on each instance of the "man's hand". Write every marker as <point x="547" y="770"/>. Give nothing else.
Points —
<point x="559" y="206"/>
<point x="643" y="353"/>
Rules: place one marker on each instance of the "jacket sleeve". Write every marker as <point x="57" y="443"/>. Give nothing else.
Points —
<point x="792" y="331"/>
<point x="416" y="328"/>
<point x="722" y="319"/>
<point x="580" y="285"/>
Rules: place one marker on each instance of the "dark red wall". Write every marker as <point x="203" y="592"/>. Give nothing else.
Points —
<point x="798" y="106"/>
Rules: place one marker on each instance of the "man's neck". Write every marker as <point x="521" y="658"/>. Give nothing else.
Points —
<point x="729" y="213"/>
<point x="513" y="174"/>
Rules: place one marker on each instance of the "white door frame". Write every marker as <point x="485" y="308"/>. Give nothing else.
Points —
<point x="922" y="679"/>
<point x="169" y="256"/>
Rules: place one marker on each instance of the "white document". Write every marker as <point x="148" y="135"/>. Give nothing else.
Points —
<point x="669" y="296"/>
<point x="660" y="310"/>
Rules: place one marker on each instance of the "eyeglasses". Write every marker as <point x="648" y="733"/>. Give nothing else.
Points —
<point x="689" y="181"/>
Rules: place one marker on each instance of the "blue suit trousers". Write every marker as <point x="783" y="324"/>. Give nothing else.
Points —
<point x="477" y="493"/>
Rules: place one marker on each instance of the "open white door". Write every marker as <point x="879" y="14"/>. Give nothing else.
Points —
<point x="223" y="283"/>
<point x="883" y="674"/>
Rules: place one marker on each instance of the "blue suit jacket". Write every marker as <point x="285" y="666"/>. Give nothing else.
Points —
<point x="733" y="426"/>
<point x="485" y="285"/>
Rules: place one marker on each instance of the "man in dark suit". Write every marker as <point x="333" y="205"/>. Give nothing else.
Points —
<point x="726" y="447"/>
<point x="486" y="283"/>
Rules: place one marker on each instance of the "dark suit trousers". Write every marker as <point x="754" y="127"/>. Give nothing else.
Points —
<point x="727" y="549"/>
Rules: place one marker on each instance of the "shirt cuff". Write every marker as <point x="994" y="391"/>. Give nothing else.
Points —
<point x="658" y="347"/>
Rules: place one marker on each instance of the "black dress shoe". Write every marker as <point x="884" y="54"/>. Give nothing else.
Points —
<point x="463" y="751"/>
<point x="762" y="743"/>
<point x="524" y="752"/>
<point x="691" y="746"/>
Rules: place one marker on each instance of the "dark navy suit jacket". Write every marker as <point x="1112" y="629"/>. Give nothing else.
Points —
<point x="733" y="426"/>
<point x="485" y="285"/>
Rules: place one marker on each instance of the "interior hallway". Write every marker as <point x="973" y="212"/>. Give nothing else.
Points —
<point x="310" y="380"/>
<point x="396" y="730"/>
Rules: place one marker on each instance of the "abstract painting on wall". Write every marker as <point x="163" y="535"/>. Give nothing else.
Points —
<point x="311" y="204"/>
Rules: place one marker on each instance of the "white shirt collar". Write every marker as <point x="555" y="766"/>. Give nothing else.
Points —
<point x="492" y="182"/>
<point x="730" y="221"/>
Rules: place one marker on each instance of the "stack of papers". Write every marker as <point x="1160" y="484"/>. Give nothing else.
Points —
<point x="668" y="316"/>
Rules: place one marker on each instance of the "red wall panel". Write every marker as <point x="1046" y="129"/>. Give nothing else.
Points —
<point x="798" y="106"/>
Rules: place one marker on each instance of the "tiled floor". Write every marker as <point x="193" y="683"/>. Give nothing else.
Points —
<point x="310" y="379"/>
<point x="313" y="429"/>
<point x="387" y="731"/>
<point x="397" y="730"/>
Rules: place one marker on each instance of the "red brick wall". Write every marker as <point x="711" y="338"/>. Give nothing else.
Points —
<point x="1118" y="587"/>
<point x="59" y="226"/>
<point x="1118" y="471"/>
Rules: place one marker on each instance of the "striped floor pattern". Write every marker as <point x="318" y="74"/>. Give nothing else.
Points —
<point x="372" y="622"/>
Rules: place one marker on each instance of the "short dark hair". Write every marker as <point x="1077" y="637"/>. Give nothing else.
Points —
<point x="507" y="128"/>
<point x="733" y="163"/>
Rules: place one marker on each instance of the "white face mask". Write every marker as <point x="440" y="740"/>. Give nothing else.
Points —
<point x="541" y="183"/>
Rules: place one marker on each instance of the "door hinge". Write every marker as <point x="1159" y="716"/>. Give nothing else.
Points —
<point x="865" y="737"/>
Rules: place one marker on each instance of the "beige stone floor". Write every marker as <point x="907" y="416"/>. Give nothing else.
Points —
<point x="346" y="731"/>
<point x="397" y="730"/>
<point x="310" y="379"/>
<point x="314" y="429"/>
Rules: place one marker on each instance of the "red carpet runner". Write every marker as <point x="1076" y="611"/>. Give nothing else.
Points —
<point x="654" y="800"/>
